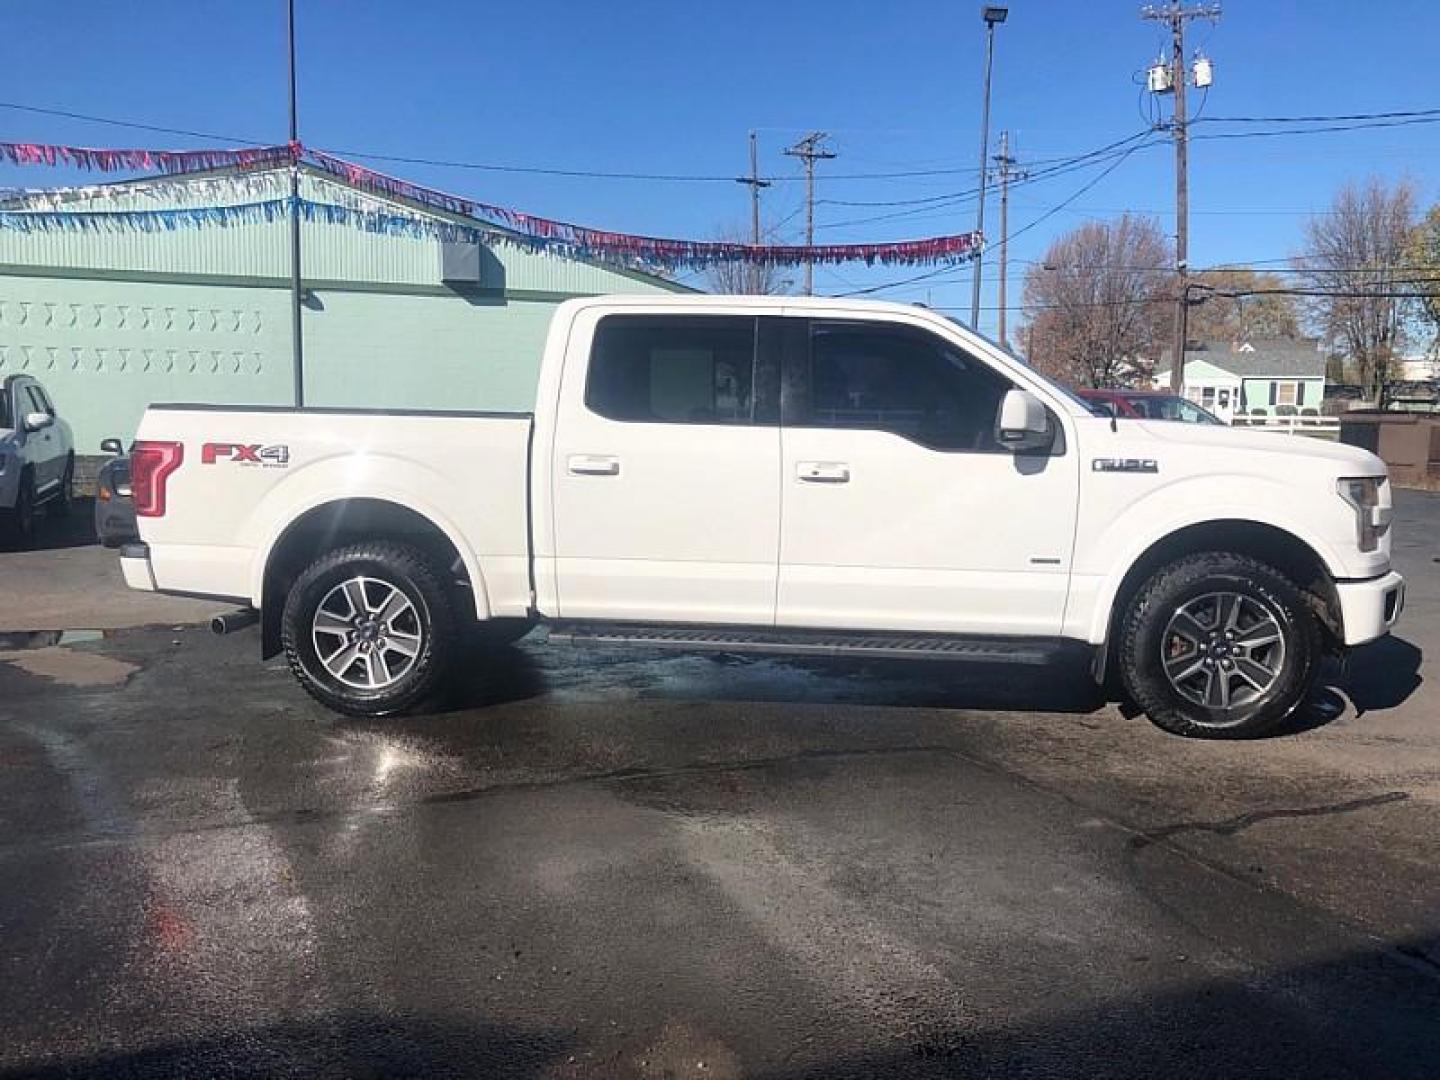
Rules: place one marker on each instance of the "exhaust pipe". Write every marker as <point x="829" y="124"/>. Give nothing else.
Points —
<point x="231" y="621"/>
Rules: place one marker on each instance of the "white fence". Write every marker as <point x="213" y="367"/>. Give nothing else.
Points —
<point x="1325" y="426"/>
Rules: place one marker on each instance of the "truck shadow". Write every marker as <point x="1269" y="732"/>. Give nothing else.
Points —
<point x="1379" y="676"/>
<point x="1375" y="677"/>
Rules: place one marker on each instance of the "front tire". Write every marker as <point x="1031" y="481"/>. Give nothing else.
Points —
<point x="20" y="521"/>
<point x="369" y="630"/>
<point x="1219" y="646"/>
<point x="61" y="502"/>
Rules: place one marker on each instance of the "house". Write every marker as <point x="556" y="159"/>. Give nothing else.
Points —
<point x="1257" y="378"/>
<point x="113" y="317"/>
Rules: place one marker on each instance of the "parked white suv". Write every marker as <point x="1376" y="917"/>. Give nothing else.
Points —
<point x="776" y="474"/>
<point x="37" y="456"/>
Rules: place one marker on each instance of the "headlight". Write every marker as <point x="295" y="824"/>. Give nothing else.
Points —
<point x="1371" y="519"/>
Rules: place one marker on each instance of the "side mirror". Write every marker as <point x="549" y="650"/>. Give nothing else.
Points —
<point x="112" y="446"/>
<point x="38" y="421"/>
<point x="1023" y="424"/>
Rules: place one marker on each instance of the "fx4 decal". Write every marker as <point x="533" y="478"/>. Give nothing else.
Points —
<point x="267" y="457"/>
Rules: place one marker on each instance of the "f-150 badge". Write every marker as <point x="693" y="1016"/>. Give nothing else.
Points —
<point x="1129" y="464"/>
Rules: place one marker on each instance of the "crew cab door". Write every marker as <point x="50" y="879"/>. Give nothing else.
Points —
<point x="901" y="511"/>
<point x="665" y="469"/>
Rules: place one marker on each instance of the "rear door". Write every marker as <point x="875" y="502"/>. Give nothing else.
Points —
<point x="665" y="469"/>
<point x="901" y="511"/>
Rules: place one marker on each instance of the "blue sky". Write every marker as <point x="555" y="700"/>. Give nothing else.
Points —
<point x="674" y="87"/>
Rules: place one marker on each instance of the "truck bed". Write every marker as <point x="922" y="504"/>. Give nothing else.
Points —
<point x="249" y="473"/>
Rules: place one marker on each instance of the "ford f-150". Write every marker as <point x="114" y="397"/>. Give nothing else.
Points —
<point x="777" y="474"/>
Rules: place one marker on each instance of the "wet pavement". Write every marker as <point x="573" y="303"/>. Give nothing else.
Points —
<point x="617" y="863"/>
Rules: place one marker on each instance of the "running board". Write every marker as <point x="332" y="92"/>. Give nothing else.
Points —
<point x="797" y="642"/>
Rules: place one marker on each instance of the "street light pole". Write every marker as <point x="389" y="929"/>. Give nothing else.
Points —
<point x="992" y="16"/>
<point x="297" y="338"/>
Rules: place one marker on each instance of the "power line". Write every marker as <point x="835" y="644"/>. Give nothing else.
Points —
<point x="1018" y="232"/>
<point x="135" y="124"/>
<point x="1035" y="176"/>
<point x="1340" y="122"/>
<point x="1395" y="115"/>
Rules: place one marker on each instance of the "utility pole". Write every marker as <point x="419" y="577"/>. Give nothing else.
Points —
<point x="297" y="338"/>
<point x="753" y="181"/>
<point x="1004" y="169"/>
<point x="1172" y="78"/>
<point x="809" y="150"/>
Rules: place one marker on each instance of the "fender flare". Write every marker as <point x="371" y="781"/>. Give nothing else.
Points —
<point x="264" y="551"/>
<point x="1102" y="613"/>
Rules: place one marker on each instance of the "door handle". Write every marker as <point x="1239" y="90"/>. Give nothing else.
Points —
<point x="823" y="472"/>
<point x="593" y="465"/>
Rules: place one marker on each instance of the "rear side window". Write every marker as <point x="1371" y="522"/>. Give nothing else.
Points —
<point x="659" y="370"/>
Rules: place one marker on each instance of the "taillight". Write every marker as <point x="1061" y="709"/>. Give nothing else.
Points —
<point x="151" y="463"/>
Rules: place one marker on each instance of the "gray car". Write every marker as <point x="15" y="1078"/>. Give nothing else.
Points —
<point x="37" y="456"/>
<point x="114" y="509"/>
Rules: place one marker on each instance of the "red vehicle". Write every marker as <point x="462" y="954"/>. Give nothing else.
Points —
<point x="1145" y="405"/>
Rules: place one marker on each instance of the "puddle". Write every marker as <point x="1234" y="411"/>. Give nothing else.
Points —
<point x="40" y="652"/>
<point x="44" y="639"/>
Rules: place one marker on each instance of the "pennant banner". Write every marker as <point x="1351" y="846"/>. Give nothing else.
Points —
<point x="661" y="250"/>
<point x="166" y="161"/>
<point x="381" y="184"/>
<point x="528" y="230"/>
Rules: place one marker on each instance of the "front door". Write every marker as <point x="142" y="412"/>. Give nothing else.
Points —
<point x="901" y="511"/>
<point x="666" y="471"/>
<point x="46" y="448"/>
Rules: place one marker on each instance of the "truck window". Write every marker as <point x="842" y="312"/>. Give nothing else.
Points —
<point x="890" y="378"/>
<point x="41" y="402"/>
<point x="673" y="370"/>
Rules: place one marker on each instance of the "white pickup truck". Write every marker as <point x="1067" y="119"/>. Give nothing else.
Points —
<point x="784" y="475"/>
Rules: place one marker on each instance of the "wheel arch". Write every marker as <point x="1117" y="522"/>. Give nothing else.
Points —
<point x="1287" y="552"/>
<point x="341" y="521"/>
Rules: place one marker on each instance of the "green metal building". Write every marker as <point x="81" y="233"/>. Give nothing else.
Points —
<point x="113" y="320"/>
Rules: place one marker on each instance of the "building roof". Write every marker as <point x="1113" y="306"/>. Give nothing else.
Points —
<point x="332" y="252"/>
<point x="1258" y="358"/>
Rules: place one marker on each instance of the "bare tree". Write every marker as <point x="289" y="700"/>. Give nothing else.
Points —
<point x="751" y="278"/>
<point x="1422" y="260"/>
<point x="1354" y="257"/>
<point x="1265" y="312"/>
<point x="1095" y="304"/>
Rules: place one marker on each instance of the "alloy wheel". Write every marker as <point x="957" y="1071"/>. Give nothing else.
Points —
<point x="1223" y="650"/>
<point x="367" y="633"/>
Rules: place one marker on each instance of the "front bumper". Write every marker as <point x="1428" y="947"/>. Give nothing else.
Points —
<point x="135" y="565"/>
<point x="1368" y="609"/>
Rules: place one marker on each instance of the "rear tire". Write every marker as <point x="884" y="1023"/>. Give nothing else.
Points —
<point x="1219" y="646"/>
<point x="368" y="629"/>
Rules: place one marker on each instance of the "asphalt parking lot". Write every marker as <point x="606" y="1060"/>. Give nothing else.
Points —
<point x="613" y="863"/>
